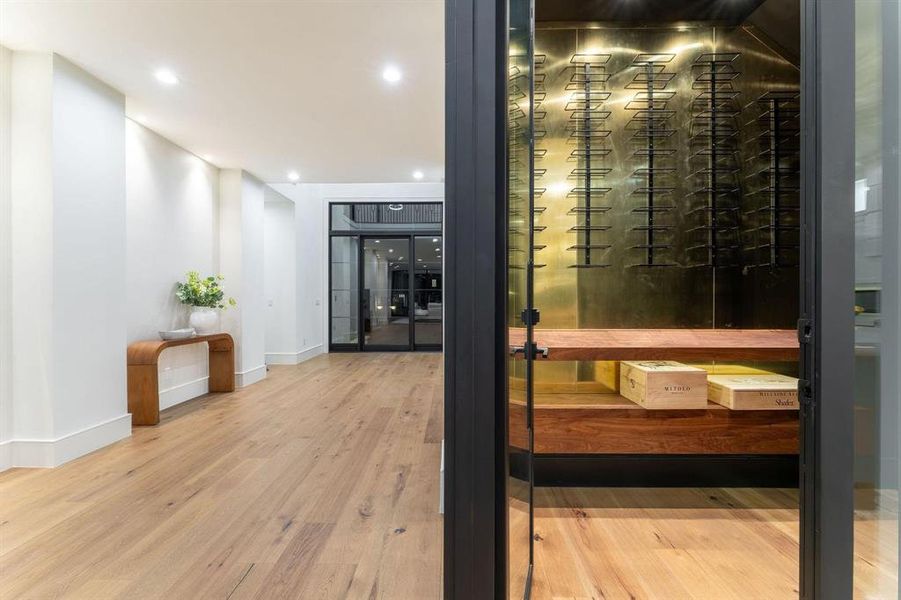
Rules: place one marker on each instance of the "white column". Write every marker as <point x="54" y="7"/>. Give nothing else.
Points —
<point x="68" y="308"/>
<point x="280" y="280"/>
<point x="241" y="252"/>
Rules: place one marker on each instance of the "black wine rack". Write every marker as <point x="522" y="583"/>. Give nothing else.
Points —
<point x="713" y="139"/>
<point x="651" y="127"/>
<point x="777" y="189"/>
<point x="587" y="130"/>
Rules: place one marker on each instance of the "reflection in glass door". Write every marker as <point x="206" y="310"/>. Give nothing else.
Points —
<point x="520" y="265"/>
<point x="345" y="291"/>
<point x="427" y="286"/>
<point x="877" y="393"/>
<point x="386" y="300"/>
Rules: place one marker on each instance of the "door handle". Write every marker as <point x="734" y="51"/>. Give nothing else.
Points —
<point x="537" y="351"/>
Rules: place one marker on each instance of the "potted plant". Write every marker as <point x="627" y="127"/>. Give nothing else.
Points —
<point x="206" y="298"/>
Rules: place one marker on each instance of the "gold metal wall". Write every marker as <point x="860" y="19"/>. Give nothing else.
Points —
<point x="744" y="290"/>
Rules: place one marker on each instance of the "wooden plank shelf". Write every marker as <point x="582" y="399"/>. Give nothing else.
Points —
<point x="663" y="344"/>
<point x="611" y="424"/>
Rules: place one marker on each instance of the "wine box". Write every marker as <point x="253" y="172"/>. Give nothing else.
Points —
<point x="754" y="392"/>
<point x="663" y="384"/>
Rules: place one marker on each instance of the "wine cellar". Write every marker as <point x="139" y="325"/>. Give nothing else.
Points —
<point x="655" y="151"/>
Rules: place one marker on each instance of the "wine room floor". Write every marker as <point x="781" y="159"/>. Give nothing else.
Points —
<point x="688" y="543"/>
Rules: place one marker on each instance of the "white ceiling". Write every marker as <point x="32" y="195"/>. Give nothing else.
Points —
<point x="268" y="86"/>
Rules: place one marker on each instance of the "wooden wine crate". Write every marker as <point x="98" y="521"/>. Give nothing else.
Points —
<point x="754" y="392"/>
<point x="663" y="384"/>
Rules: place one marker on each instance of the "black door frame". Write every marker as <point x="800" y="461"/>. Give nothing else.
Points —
<point x="476" y="460"/>
<point x="360" y="235"/>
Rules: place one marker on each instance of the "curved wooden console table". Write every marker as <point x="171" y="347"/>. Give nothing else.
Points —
<point x="143" y="372"/>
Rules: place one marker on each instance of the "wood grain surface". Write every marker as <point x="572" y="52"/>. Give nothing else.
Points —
<point x="319" y="482"/>
<point x="664" y="344"/>
<point x="611" y="424"/>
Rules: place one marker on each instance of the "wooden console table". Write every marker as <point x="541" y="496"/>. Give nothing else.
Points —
<point x="143" y="372"/>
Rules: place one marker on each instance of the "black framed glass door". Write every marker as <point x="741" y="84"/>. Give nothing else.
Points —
<point x="386" y="277"/>
<point x="428" y="300"/>
<point x="386" y="305"/>
<point x="521" y="313"/>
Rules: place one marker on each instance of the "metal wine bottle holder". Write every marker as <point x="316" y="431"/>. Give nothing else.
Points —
<point x="587" y="130"/>
<point x="651" y="126"/>
<point x="778" y="199"/>
<point x="714" y="134"/>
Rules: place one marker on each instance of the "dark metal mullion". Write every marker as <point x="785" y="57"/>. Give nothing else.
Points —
<point x="360" y="332"/>
<point x="827" y="267"/>
<point x="530" y="302"/>
<point x="411" y="285"/>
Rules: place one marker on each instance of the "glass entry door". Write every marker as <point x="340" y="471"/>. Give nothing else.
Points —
<point x="428" y="305"/>
<point x="521" y="315"/>
<point x="386" y="303"/>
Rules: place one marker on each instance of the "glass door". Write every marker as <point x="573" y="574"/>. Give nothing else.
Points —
<point x="386" y="300"/>
<point x="521" y="315"/>
<point x="877" y="290"/>
<point x="428" y="304"/>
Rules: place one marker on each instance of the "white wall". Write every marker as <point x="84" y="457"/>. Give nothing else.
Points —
<point x="67" y="192"/>
<point x="312" y="205"/>
<point x="6" y="353"/>
<point x="280" y="279"/>
<point x="241" y="251"/>
<point x="172" y="227"/>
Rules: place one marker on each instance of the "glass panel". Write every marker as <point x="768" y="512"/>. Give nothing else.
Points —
<point x="667" y="193"/>
<point x="345" y="296"/>
<point x="877" y="223"/>
<point x="394" y="217"/>
<point x="386" y="292"/>
<point x="427" y="286"/>
<point x="519" y="169"/>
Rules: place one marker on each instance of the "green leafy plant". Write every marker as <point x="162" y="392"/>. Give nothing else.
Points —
<point x="198" y="291"/>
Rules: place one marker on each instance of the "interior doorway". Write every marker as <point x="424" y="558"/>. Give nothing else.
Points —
<point x="386" y="277"/>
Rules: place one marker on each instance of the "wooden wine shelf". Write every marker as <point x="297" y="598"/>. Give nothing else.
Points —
<point x="611" y="424"/>
<point x="663" y="344"/>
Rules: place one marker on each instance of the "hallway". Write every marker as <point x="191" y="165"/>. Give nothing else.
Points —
<point x="319" y="482"/>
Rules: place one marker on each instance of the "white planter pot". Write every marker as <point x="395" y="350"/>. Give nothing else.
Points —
<point x="204" y="320"/>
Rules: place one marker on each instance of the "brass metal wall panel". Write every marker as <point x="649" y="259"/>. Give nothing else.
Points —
<point x="741" y="291"/>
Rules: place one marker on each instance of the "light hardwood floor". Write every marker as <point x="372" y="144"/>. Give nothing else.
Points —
<point x="320" y="482"/>
<point x="691" y="544"/>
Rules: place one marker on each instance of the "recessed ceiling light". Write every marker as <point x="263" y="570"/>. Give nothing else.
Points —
<point x="166" y="77"/>
<point x="395" y="207"/>
<point x="390" y="249"/>
<point x="435" y="240"/>
<point x="392" y="74"/>
<point x="378" y="241"/>
<point x="419" y="259"/>
<point x="293" y="175"/>
<point x="418" y="175"/>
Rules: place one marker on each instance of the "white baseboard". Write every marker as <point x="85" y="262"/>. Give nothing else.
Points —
<point x="292" y="358"/>
<point x="5" y="455"/>
<point x="184" y="392"/>
<point x="250" y="376"/>
<point x="52" y="453"/>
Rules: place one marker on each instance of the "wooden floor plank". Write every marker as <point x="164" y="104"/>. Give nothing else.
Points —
<point x="242" y="495"/>
<point x="321" y="482"/>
